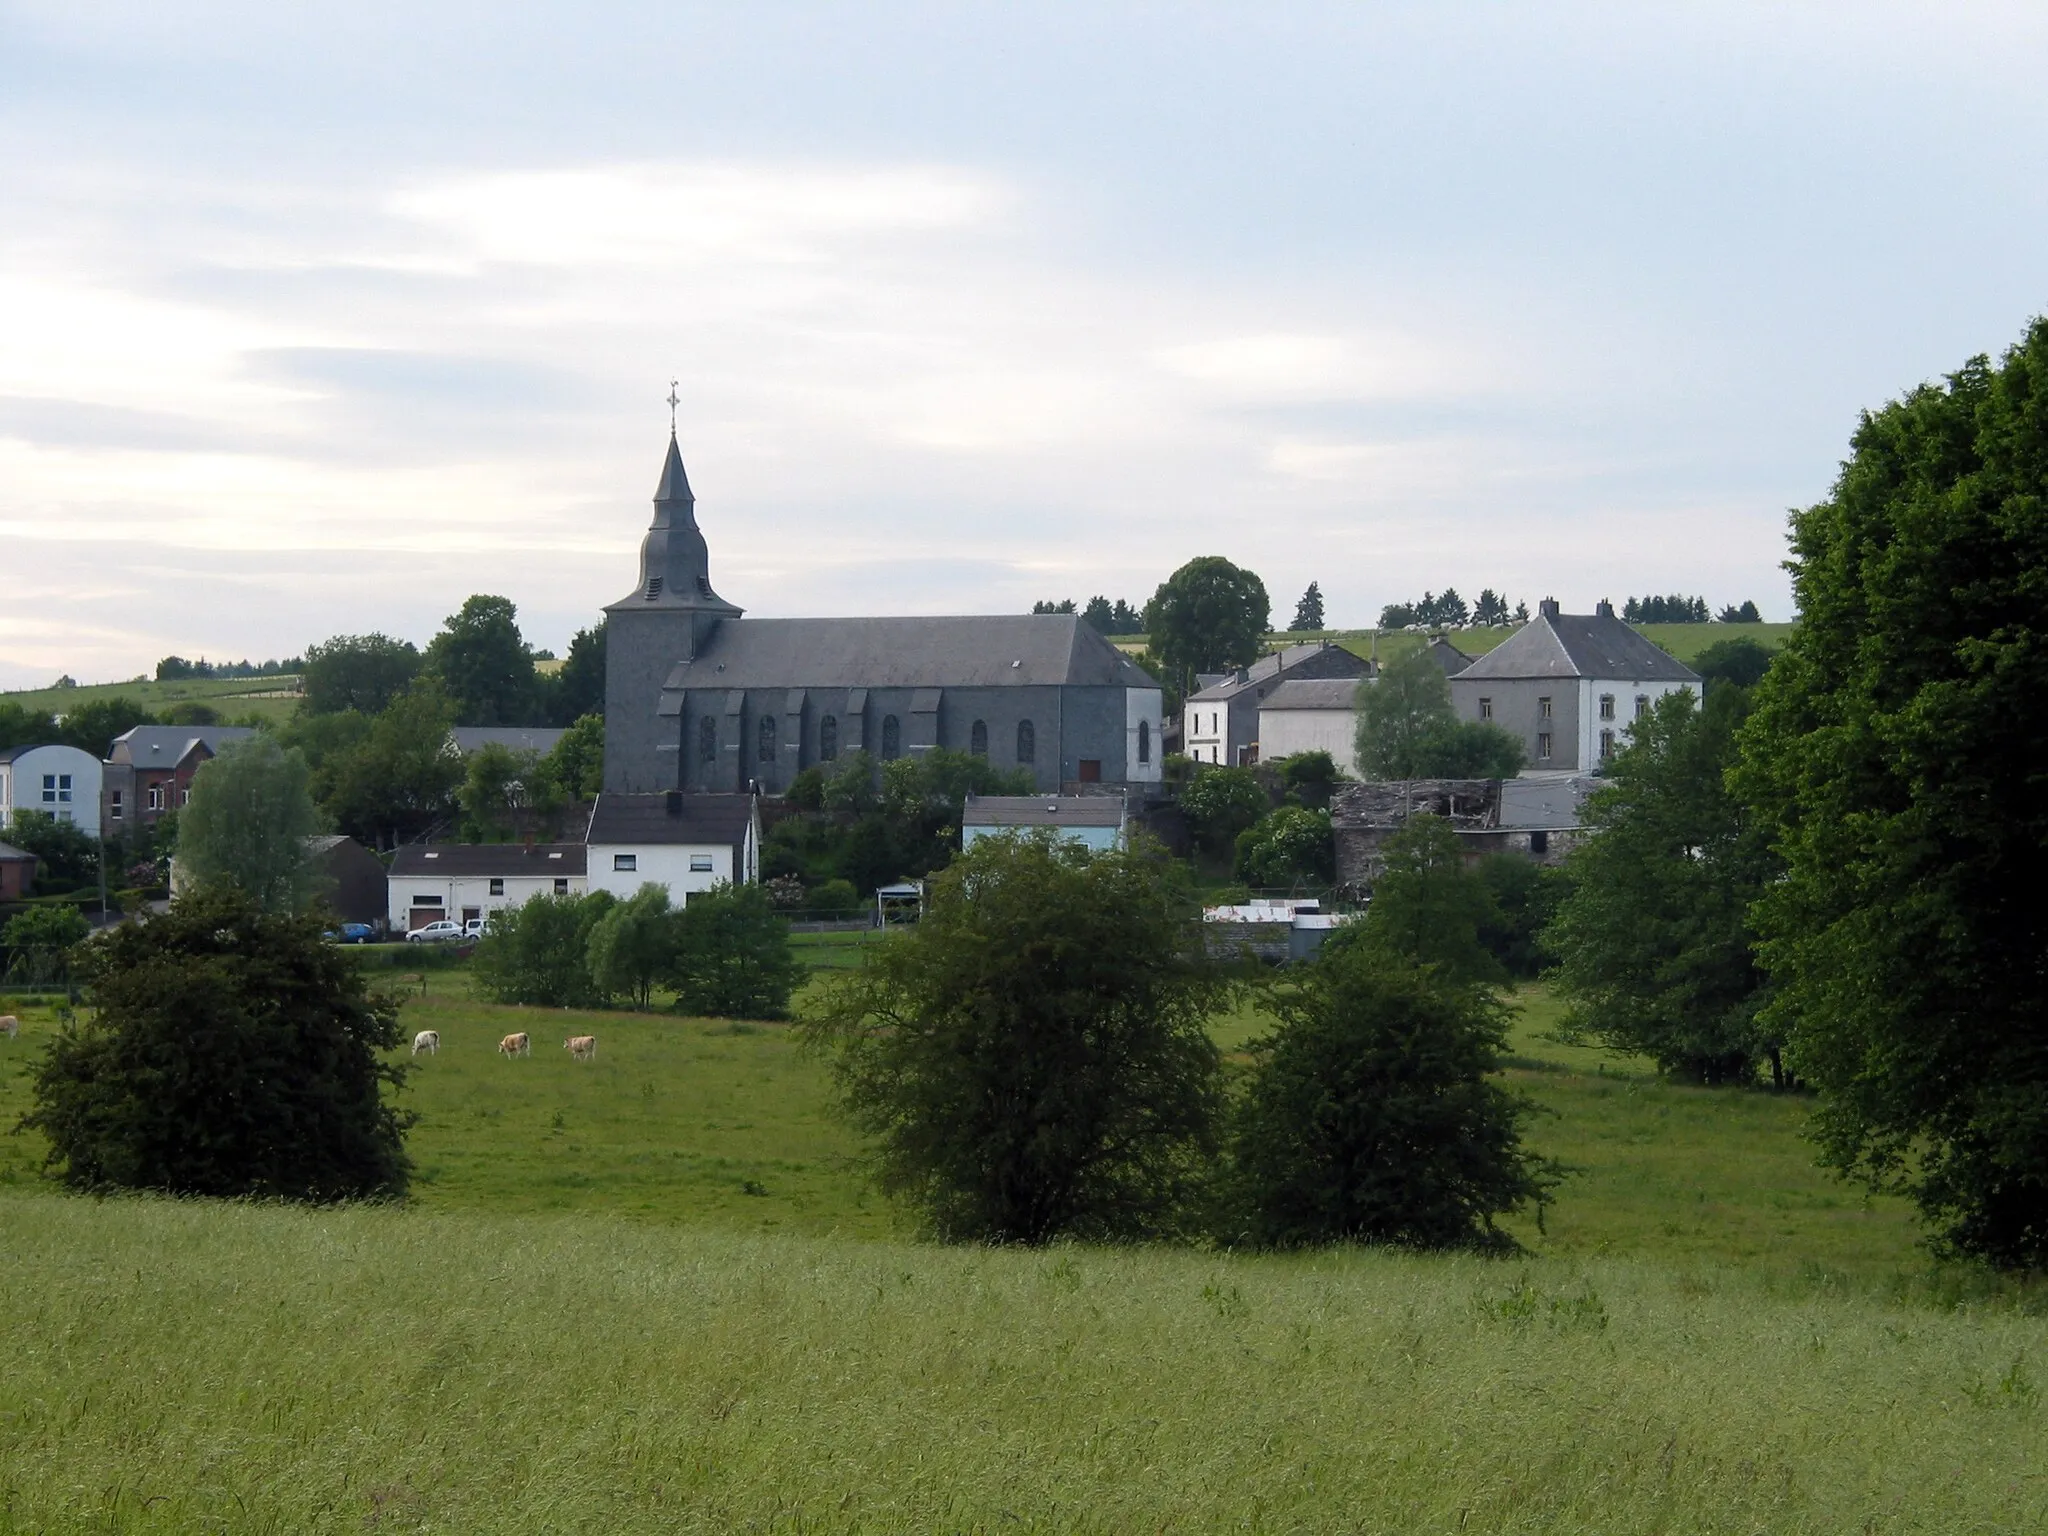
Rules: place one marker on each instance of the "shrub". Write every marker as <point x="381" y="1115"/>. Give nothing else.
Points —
<point x="1033" y="1059"/>
<point x="539" y="952"/>
<point x="632" y="945"/>
<point x="229" y="1052"/>
<point x="731" y="957"/>
<point x="837" y="897"/>
<point x="1291" y="846"/>
<point x="51" y="928"/>
<point x="1370" y="1116"/>
<point x="1428" y="908"/>
<point x="1220" y="802"/>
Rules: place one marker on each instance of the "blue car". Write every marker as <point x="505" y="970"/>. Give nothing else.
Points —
<point x="351" y="933"/>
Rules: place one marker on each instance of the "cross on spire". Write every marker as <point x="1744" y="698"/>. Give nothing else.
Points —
<point x="673" y="401"/>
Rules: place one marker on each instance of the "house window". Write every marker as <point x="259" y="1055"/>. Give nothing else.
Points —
<point x="700" y="863"/>
<point x="1144" y="741"/>
<point x="1539" y="842"/>
<point x="1027" y="742"/>
<point x="1543" y="744"/>
<point x="977" y="739"/>
<point x="156" y="797"/>
<point x="426" y="900"/>
<point x="1606" y="706"/>
<point x="626" y="861"/>
<point x="1486" y="709"/>
<point x="1642" y="705"/>
<point x="561" y="885"/>
<point x="766" y="753"/>
<point x="828" y="738"/>
<point x="185" y="796"/>
<point x="1543" y="709"/>
<point x="707" y="740"/>
<point x="1606" y="745"/>
<point x="497" y="887"/>
<point x="114" y="806"/>
<point x="56" y="789"/>
<point x="892" y="737"/>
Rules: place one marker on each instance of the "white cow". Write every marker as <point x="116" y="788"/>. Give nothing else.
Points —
<point x="581" y="1047"/>
<point x="516" y="1045"/>
<point x="10" y="1026"/>
<point x="428" y="1040"/>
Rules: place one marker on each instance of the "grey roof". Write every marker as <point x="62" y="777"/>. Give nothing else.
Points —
<point x="1313" y="693"/>
<point x="1545" y="800"/>
<point x="161" y="746"/>
<point x="1448" y="656"/>
<point x="1578" y="645"/>
<point x="539" y="739"/>
<point x="1043" y="811"/>
<point x="449" y="860"/>
<point x="674" y="818"/>
<point x="12" y="855"/>
<point x="1266" y="668"/>
<point x="994" y="651"/>
<point x="675" y="484"/>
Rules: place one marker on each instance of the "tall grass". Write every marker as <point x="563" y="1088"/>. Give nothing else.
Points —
<point x="189" y="1367"/>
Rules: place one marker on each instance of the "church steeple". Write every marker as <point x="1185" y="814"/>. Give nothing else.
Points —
<point x="675" y="566"/>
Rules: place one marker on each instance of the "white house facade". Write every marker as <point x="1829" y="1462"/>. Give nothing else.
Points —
<point x="683" y="842"/>
<point x="63" y="782"/>
<point x="1317" y="714"/>
<point x="465" y="881"/>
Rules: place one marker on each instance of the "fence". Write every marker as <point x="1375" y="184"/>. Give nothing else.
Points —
<point x="37" y="971"/>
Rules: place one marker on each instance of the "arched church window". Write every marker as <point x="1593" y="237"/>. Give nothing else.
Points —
<point x="1027" y="742"/>
<point x="977" y="739"/>
<point x="707" y="740"/>
<point x="1144" y="741"/>
<point x="767" y="752"/>
<point x="828" y="738"/>
<point x="892" y="737"/>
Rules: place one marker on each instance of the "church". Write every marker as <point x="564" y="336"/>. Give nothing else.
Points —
<point x="700" y="698"/>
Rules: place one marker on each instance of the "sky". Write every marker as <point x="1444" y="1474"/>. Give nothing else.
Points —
<point x="316" y="320"/>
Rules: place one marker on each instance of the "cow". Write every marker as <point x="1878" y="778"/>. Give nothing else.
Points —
<point x="581" y="1047"/>
<point x="516" y="1045"/>
<point x="428" y="1040"/>
<point x="10" y="1026"/>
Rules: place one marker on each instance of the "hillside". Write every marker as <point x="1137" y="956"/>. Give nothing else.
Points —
<point x="273" y="697"/>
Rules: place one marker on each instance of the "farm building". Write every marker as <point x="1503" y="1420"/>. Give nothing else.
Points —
<point x="1094" y="821"/>
<point x="699" y="698"/>
<point x="684" y="842"/>
<point x="462" y="881"/>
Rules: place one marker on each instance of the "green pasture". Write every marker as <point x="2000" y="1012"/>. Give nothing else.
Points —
<point x="273" y="698"/>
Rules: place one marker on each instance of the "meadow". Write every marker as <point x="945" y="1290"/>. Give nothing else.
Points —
<point x="233" y="698"/>
<point x="651" y="1292"/>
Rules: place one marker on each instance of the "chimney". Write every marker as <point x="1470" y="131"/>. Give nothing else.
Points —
<point x="673" y="802"/>
<point x="1547" y="608"/>
<point x="1604" y="608"/>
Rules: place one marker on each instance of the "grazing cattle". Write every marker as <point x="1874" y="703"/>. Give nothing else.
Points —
<point x="516" y="1045"/>
<point x="581" y="1047"/>
<point x="10" y="1026"/>
<point x="428" y="1040"/>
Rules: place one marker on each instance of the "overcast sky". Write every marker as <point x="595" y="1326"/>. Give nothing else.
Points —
<point x="315" y="320"/>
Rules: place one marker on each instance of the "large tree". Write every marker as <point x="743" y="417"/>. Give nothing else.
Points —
<point x="1407" y="730"/>
<point x="246" y="825"/>
<point x="484" y="665"/>
<point x="577" y="689"/>
<point x="1653" y="936"/>
<point x="1896" y="751"/>
<point x="1208" y="616"/>
<point x="93" y="726"/>
<point x="1429" y="909"/>
<point x="1308" y="613"/>
<point x="360" y="672"/>
<point x="1033" y="1059"/>
<point x="399" y="780"/>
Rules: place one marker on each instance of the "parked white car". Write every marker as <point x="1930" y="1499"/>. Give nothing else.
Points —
<point x="473" y="928"/>
<point x="444" y="931"/>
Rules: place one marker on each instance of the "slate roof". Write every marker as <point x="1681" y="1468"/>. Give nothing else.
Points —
<point x="992" y="651"/>
<point x="520" y="738"/>
<point x="1545" y="800"/>
<point x="1578" y="645"/>
<point x="1043" y="811"/>
<point x="164" y="746"/>
<point x="1266" y="668"/>
<point x="9" y="854"/>
<point x="674" y="818"/>
<point x="1313" y="693"/>
<point x="1448" y="656"/>
<point x="443" y="861"/>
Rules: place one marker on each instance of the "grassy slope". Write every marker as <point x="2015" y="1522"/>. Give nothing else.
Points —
<point x="232" y="697"/>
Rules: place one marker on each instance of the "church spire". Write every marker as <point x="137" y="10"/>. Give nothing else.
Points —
<point x="675" y="566"/>
<point x="675" y="483"/>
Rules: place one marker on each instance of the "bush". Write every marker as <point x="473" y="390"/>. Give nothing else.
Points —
<point x="1370" y="1116"/>
<point x="1220" y="802"/>
<point x="1291" y="846"/>
<point x="539" y="952"/>
<point x="68" y="857"/>
<point x="1428" y="908"/>
<point x="1033" y="1059"/>
<point x="837" y="897"/>
<point x="731" y="957"/>
<point x="632" y="945"/>
<point x="48" y="928"/>
<point x="1525" y="897"/>
<point x="229" y="1052"/>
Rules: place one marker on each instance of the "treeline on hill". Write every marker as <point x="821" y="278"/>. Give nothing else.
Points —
<point x="1679" y="609"/>
<point x="1447" y="610"/>
<point x="175" y="668"/>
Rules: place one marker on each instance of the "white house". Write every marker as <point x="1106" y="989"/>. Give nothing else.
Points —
<point x="63" y="781"/>
<point x="1220" y="722"/>
<point x="1312" y="714"/>
<point x="686" y="842"/>
<point x="1094" y="821"/>
<point x="429" y="881"/>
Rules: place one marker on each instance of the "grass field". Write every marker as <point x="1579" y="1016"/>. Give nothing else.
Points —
<point x="272" y="697"/>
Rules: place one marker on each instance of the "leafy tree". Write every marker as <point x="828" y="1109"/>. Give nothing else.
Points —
<point x="68" y="858"/>
<point x="247" y="823"/>
<point x="732" y="957"/>
<point x="1371" y="1114"/>
<point x="357" y="672"/>
<point x="21" y="726"/>
<point x="45" y="928"/>
<point x="1220" y="802"/>
<point x="1208" y="616"/>
<point x="327" y="742"/>
<point x="539" y="952"/>
<point x="1310" y="777"/>
<point x="1428" y="908"/>
<point x="633" y="945"/>
<point x="1489" y="608"/>
<point x="503" y="792"/>
<point x="1291" y="846"/>
<point x="1064" y="605"/>
<point x="1741" y="661"/>
<point x="1098" y="616"/>
<point x="401" y="780"/>
<point x="1895" y="754"/>
<point x="1033" y="1059"/>
<point x="1525" y="897"/>
<point x="1126" y="619"/>
<point x="1746" y="614"/>
<point x="229" y="1051"/>
<point x="1406" y="728"/>
<point x="576" y="764"/>
<point x="1398" y="616"/>
<point x="577" y="690"/>
<point x="189" y="712"/>
<point x="1653" y="938"/>
<point x="1675" y="609"/>
<point x="1308" y="613"/>
<point x="93" y="726"/>
<point x="1473" y="749"/>
<point x="484" y="664"/>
